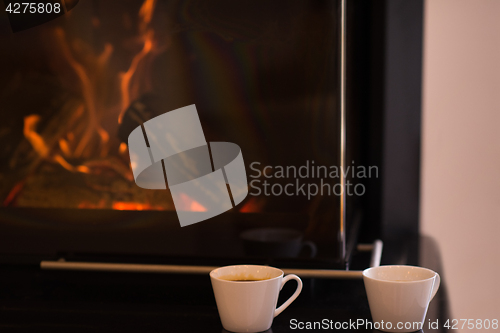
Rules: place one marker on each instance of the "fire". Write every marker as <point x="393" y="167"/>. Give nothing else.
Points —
<point x="196" y="207"/>
<point x="190" y="205"/>
<point x="254" y="204"/>
<point x="104" y="139"/>
<point x="29" y="131"/>
<point x="123" y="148"/>
<point x="84" y="142"/>
<point x="88" y="94"/>
<point x="127" y="76"/>
<point x="81" y="144"/>
<point x="41" y="148"/>
<point x="119" y="205"/>
<point x="145" y="15"/>
<point x="64" y="146"/>
<point x="13" y="193"/>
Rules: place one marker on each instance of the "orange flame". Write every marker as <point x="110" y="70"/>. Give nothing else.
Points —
<point x="190" y="205"/>
<point x="29" y="131"/>
<point x="63" y="144"/>
<point x="41" y="148"/>
<point x="123" y="148"/>
<point x="254" y="204"/>
<point x="145" y="15"/>
<point x="104" y="139"/>
<point x="123" y="205"/>
<point x="127" y="76"/>
<point x="13" y="193"/>
<point x="85" y="137"/>
<point x="197" y="207"/>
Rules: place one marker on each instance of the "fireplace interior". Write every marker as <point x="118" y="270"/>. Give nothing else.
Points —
<point x="264" y="75"/>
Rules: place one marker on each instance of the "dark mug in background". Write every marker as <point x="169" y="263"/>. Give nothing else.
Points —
<point x="276" y="243"/>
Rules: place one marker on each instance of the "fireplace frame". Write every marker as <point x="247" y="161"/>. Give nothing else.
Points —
<point x="386" y="44"/>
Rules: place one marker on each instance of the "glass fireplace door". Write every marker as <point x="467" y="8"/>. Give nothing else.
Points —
<point x="265" y="75"/>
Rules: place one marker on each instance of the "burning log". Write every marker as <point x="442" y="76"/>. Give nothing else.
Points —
<point x="29" y="154"/>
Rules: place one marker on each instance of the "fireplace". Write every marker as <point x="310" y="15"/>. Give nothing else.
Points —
<point x="264" y="75"/>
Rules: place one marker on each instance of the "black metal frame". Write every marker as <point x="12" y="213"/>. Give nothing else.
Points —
<point x="385" y="54"/>
<point x="388" y="50"/>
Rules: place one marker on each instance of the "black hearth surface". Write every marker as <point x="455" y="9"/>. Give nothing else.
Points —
<point x="34" y="300"/>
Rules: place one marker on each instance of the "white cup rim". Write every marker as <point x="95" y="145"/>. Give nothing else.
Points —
<point x="366" y="271"/>
<point x="277" y="270"/>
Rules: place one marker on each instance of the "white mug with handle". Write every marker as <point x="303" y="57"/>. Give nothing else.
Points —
<point x="247" y="295"/>
<point x="399" y="296"/>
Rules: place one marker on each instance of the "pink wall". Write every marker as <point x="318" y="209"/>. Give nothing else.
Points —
<point x="461" y="149"/>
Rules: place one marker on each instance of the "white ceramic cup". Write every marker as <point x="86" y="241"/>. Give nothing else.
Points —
<point x="399" y="296"/>
<point x="250" y="306"/>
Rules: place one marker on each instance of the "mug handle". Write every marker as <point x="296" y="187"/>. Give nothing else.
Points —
<point x="312" y="247"/>
<point x="435" y="287"/>
<point x="293" y="297"/>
